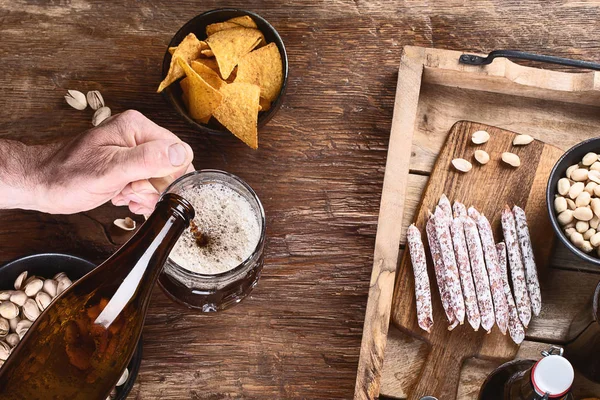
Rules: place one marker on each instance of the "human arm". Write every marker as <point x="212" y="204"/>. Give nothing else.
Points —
<point x="110" y="162"/>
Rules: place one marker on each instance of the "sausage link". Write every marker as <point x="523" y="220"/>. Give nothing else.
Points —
<point x="452" y="279"/>
<point x="445" y="205"/>
<point x="438" y="265"/>
<point x="515" y="328"/>
<point x="531" y="276"/>
<point x="464" y="268"/>
<point x="515" y="262"/>
<point x="459" y="209"/>
<point x="473" y="213"/>
<point x="480" y="277"/>
<point x="422" y="289"/>
<point x="491" y="263"/>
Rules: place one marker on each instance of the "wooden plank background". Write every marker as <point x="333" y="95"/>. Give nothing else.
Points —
<point x="318" y="172"/>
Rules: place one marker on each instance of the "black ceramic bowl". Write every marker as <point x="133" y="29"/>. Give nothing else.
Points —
<point x="571" y="157"/>
<point x="197" y="26"/>
<point x="47" y="265"/>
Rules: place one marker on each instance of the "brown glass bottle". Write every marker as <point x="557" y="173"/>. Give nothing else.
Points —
<point x="82" y="342"/>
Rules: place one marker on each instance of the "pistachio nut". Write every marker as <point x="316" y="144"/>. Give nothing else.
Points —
<point x="94" y="99"/>
<point x="76" y="99"/>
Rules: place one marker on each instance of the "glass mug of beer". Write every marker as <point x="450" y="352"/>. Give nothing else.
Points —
<point x="218" y="260"/>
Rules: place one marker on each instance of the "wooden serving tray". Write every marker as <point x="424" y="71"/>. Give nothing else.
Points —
<point x="488" y="188"/>
<point x="434" y="91"/>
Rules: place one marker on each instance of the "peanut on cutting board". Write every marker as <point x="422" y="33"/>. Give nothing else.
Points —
<point x="577" y="203"/>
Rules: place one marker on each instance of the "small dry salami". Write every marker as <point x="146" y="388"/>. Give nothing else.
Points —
<point x="491" y="263"/>
<point x="517" y="272"/>
<point x="464" y="268"/>
<point x="459" y="209"/>
<point x="473" y="213"/>
<point x="515" y="328"/>
<point x="438" y="265"/>
<point x="445" y="205"/>
<point x="452" y="279"/>
<point x="480" y="276"/>
<point x="422" y="289"/>
<point x="533" y="284"/>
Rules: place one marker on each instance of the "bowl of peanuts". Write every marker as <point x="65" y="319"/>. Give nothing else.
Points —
<point x="573" y="199"/>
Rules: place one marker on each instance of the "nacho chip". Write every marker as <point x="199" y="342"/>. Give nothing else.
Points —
<point x="244" y="20"/>
<point x="230" y="45"/>
<point x="238" y="111"/>
<point x="220" y="26"/>
<point x="188" y="49"/>
<point x="172" y="50"/>
<point x="202" y="97"/>
<point x="232" y="76"/>
<point x="263" y="67"/>
<point x="203" y="46"/>
<point x="265" y="104"/>
<point x="211" y="77"/>
<point x="185" y="91"/>
<point x="207" y="53"/>
<point x="210" y="63"/>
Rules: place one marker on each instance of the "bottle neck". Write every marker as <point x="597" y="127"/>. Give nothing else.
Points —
<point x="148" y="249"/>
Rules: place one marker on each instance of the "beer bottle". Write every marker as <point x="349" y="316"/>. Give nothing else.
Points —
<point x="82" y="342"/>
<point x="549" y="378"/>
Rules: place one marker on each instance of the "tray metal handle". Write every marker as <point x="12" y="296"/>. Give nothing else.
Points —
<point x="472" y="59"/>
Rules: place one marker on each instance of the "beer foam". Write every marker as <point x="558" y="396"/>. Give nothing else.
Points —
<point x="227" y="220"/>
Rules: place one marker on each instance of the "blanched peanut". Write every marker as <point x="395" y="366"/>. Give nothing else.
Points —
<point x="589" y="187"/>
<point x="595" y="166"/>
<point x="560" y="204"/>
<point x="570" y="224"/>
<point x="586" y="246"/>
<point x="582" y="226"/>
<point x="583" y="199"/>
<point x="569" y="231"/>
<point x="565" y="217"/>
<point x="576" y="238"/>
<point x="589" y="159"/>
<point x="583" y="213"/>
<point x="595" y="221"/>
<point x="571" y="204"/>
<point x="594" y="176"/>
<point x="595" y="204"/>
<point x="576" y="190"/>
<point x="580" y="175"/>
<point x="589" y="233"/>
<point x="595" y="240"/>
<point x="571" y="169"/>
<point x="563" y="186"/>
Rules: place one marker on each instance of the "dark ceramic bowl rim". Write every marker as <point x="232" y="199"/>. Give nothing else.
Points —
<point x="136" y="360"/>
<point x="551" y="191"/>
<point x="263" y="118"/>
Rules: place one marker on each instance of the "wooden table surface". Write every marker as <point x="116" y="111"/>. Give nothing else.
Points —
<point x="318" y="171"/>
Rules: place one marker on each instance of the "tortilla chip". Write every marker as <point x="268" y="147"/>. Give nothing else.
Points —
<point x="172" y="50"/>
<point x="265" y="104"/>
<point x="185" y="91"/>
<point x="238" y="111"/>
<point x="205" y="119"/>
<point x="211" y="77"/>
<point x="263" y="67"/>
<point x="203" y="46"/>
<point x="207" y="53"/>
<point x="230" y="45"/>
<point x="220" y="26"/>
<point x="210" y="63"/>
<point x="244" y="20"/>
<point x="188" y="49"/>
<point x="203" y="98"/>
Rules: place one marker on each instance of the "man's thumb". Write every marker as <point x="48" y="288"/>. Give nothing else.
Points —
<point x="155" y="159"/>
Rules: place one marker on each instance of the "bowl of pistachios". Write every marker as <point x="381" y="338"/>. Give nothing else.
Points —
<point x="27" y="286"/>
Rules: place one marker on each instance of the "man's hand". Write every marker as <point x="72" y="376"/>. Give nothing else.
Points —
<point x="110" y="162"/>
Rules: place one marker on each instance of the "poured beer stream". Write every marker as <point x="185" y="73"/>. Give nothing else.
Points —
<point x="80" y="345"/>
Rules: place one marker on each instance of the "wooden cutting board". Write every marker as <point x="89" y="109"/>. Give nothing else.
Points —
<point x="488" y="188"/>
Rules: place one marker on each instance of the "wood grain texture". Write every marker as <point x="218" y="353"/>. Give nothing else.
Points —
<point x="488" y="188"/>
<point x="319" y="171"/>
